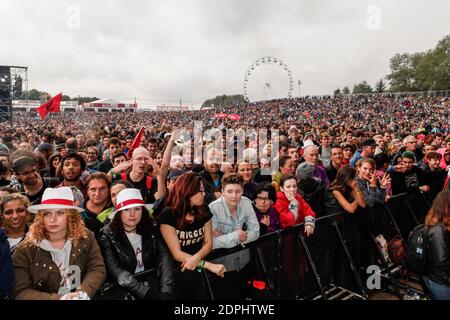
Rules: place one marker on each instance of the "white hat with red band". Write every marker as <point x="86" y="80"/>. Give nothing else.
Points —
<point x="56" y="198"/>
<point x="130" y="198"/>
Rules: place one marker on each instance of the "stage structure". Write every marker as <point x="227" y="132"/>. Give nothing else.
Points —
<point x="13" y="85"/>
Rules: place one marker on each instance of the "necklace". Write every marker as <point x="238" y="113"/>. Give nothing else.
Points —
<point x="130" y="231"/>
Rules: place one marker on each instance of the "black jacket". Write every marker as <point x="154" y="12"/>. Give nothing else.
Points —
<point x="313" y="192"/>
<point x="208" y="184"/>
<point x="120" y="261"/>
<point x="435" y="180"/>
<point x="6" y="267"/>
<point x="438" y="254"/>
<point x="407" y="181"/>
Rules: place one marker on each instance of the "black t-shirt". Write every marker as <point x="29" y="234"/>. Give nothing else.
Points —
<point x="191" y="238"/>
<point x="90" y="219"/>
<point x="147" y="194"/>
<point x="47" y="183"/>
<point x="331" y="172"/>
<point x="105" y="166"/>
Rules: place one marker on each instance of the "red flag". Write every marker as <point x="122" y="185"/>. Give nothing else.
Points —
<point x="234" y="117"/>
<point x="135" y="143"/>
<point x="446" y="184"/>
<point x="52" y="105"/>
<point x="220" y="115"/>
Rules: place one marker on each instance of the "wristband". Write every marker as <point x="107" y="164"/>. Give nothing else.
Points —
<point x="201" y="265"/>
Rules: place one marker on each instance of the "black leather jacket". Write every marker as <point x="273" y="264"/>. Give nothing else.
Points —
<point x="438" y="254"/>
<point x="120" y="262"/>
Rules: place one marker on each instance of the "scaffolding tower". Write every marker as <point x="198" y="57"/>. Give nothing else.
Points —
<point x="13" y="85"/>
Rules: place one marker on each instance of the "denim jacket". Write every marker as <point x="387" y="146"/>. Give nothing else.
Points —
<point x="223" y="221"/>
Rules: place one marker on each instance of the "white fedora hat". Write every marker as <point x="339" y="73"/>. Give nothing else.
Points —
<point x="130" y="198"/>
<point x="56" y="198"/>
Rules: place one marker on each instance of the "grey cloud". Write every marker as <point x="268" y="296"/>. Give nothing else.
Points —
<point x="195" y="50"/>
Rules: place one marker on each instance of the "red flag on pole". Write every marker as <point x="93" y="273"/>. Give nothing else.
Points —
<point x="52" y="105"/>
<point x="135" y="143"/>
<point x="234" y="117"/>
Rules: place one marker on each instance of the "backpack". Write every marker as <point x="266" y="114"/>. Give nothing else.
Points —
<point x="148" y="181"/>
<point x="416" y="250"/>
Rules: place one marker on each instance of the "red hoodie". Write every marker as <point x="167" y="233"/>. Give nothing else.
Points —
<point x="287" y="217"/>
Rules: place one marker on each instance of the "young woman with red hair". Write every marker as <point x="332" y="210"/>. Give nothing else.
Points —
<point x="185" y="224"/>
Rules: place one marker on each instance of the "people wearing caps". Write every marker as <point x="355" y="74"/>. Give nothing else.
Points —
<point x="57" y="244"/>
<point x="21" y="163"/>
<point x="131" y="244"/>
<point x="56" y="198"/>
<point x="308" y="136"/>
<point x="421" y="139"/>
<point x="408" y="155"/>
<point x="304" y="170"/>
<point x="46" y="149"/>
<point x="311" y="156"/>
<point x="308" y="143"/>
<point x="29" y="179"/>
<point x="4" y="149"/>
<point x="174" y="174"/>
<point x="368" y="149"/>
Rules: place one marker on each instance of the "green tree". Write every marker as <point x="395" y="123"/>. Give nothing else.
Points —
<point x="224" y="101"/>
<point x="346" y="90"/>
<point x="65" y="98"/>
<point x="421" y="71"/>
<point x="433" y="70"/>
<point x="34" y="94"/>
<point x="403" y="72"/>
<point x="82" y="100"/>
<point x="362" y="87"/>
<point x="380" y="86"/>
<point x="337" y="91"/>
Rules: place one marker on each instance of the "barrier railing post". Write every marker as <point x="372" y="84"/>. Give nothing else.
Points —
<point x="263" y="267"/>
<point x="394" y="222"/>
<point x="278" y="263"/>
<point x="312" y="265"/>
<point x="411" y="211"/>
<point x="350" y="260"/>
<point x="208" y="284"/>
<point x="426" y="200"/>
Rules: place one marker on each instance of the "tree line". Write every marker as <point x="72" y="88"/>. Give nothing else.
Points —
<point x="420" y="71"/>
<point x="35" y="94"/>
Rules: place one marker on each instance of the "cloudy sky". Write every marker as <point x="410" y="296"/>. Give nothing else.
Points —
<point x="163" y="51"/>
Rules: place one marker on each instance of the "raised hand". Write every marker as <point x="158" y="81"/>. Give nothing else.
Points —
<point x="385" y="180"/>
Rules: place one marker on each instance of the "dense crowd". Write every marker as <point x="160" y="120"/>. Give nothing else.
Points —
<point x="91" y="209"/>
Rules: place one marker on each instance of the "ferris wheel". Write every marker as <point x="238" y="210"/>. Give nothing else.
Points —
<point x="268" y="78"/>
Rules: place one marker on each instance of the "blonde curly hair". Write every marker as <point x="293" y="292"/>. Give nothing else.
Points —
<point x="76" y="229"/>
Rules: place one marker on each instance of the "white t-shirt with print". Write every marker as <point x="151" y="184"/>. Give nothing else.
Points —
<point x="136" y="242"/>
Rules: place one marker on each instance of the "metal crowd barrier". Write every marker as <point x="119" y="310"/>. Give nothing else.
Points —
<point x="399" y="207"/>
<point x="399" y="215"/>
